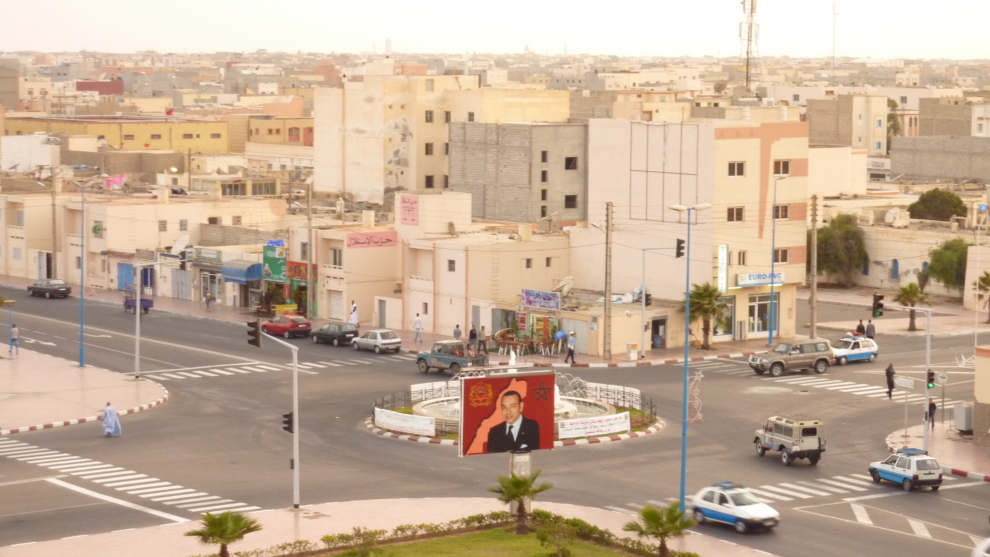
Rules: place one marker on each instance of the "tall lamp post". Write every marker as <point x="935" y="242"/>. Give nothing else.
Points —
<point x="10" y="324"/>
<point x="687" y="341"/>
<point x="773" y="256"/>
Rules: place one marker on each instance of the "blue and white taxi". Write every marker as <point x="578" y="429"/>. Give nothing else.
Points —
<point x="909" y="467"/>
<point x="731" y="503"/>
<point x="855" y="347"/>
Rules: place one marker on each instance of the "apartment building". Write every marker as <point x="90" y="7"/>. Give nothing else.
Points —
<point x="132" y="133"/>
<point x="954" y="116"/>
<point x="854" y="120"/>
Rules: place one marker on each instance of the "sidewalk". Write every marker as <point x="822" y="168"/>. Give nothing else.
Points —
<point x="38" y="391"/>
<point x="957" y="454"/>
<point x="315" y="521"/>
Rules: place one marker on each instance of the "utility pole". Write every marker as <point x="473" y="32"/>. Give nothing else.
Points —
<point x="607" y="351"/>
<point x="813" y="299"/>
<point x="54" y="230"/>
<point x="309" y="252"/>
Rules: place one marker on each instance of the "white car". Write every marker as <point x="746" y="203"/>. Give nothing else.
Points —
<point x="982" y="549"/>
<point x="855" y="348"/>
<point x="379" y="340"/>
<point x="731" y="503"/>
<point x="909" y="467"/>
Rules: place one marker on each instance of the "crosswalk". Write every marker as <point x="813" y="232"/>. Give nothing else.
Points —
<point x="849" y="485"/>
<point x="310" y="368"/>
<point x="121" y="479"/>
<point x="722" y="366"/>
<point x="922" y="525"/>
<point x="859" y="389"/>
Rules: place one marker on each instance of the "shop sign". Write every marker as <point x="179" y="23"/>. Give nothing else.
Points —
<point x="372" y="239"/>
<point x="758" y="279"/>
<point x="295" y="270"/>
<point x="274" y="263"/>
<point x="203" y="254"/>
<point x="723" y="268"/>
<point x="541" y="300"/>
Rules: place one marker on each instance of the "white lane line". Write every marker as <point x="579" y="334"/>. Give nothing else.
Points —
<point x="175" y="499"/>
<point x="621" y="510"/>
<point x="866" y="477"/>
<point x="46" y="454"/>
<point x="238" y="370"/>
<point x="147" y="488"/>
<point x="333" y="364"/>
<point x="82" y="472"/>
<point x="786" y="492"/>
<point x="799" y="380"/>
<point x="104" y="475"/>
<point x="204" y="373"/>
<point x="770" y="496"/>
<point x="244" y="509"/>
<point x="827" y="383"/>
<point x="116" y="501"/>
<point x="199" y="501"/>
<point x="363" y="361"/>
<point x="63" y="462"/>
<point x="173" y="376"/>
<point x="19" y="451"/>
<point x="312" y="365"/>
<point x="192" y="375"/>
<point x="211" y="507"/>
<point x="919" y="528"/>
<point x="132" y="482"/>
<point x="852" y="480"/>
<point x="807" y="489"/>
<point x="156" y="496"/>
<point x="843" y="485"/>
<point x="855" y="388"/>
<point x="251" y="369"/>
<point x="819" y="486"/>
<point x="845" y="385"/>
<point x="46" y="459"/>
<point x="861" y="515"/>
<point x="157" y="377"/>
<point x="870" y="391"/>
<point x="659" y="504"/>
<point x="131" y="477"/>
<point x="268" y="368"/>
<point x="307" y="372"/>
<point x="92" y="467"/>
<point x="222" y="372"/>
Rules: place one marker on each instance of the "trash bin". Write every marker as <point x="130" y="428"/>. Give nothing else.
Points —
<point x="632" y="351"/>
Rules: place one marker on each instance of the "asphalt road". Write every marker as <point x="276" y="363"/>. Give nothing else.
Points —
<point x="222" y="436"/>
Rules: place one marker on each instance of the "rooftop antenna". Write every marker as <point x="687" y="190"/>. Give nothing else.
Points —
<point x="749" y="33"/>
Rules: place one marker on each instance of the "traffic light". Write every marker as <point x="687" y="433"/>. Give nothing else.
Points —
<point x="292" y="464"/>
<point x="877" y="305"/>
<point x="288" y="423"/>
<point x="254" y="335"/>
<point x="649" y="299"/>
<point x="680" y="248"/>
<point x="931" y="379"/>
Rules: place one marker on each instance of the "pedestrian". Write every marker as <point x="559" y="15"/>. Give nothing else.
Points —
<point x="483" y="340"/>
<point x="457" y="332"/>
<point x="418" y="325"/>
<point x="208" y="298"/>
<point x="871" y="331"/>
<point x="890" y="381"/>
<point x="931" y="412"/>
<point x="15" y="339"/>
<point x="111" y="422"/>
<point x="473" y="338"/>
<point x="570" y="349"/>
<point x="354" y="314"/>
<point x="860" y="329"/>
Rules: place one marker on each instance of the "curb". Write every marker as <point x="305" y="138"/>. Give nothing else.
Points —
<point x="370" y="425"/>
<point x="641" y="363"/>
<point x="892" y="448"/>
<point x="920" y="334"/>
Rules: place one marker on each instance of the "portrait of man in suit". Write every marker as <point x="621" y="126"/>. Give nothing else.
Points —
<point x="517" y="432"/>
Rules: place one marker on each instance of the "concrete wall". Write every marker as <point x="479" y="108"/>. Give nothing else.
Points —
<point x="136" y="164"/>
<point x="27" y="152"/>
<point x="945" y="157"/>
<point x="945" y="116"/>
<point x="981" y="397"/>
<point x="222" y="235"/>
<point x="835" y="171"/>
<point x="911" y="248"/>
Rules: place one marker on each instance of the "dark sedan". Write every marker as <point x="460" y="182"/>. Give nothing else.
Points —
<point x="335" y="333"/>
<point x="50" y="288"/>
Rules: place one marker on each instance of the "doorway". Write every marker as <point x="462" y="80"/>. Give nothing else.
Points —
<point x="759" y="312"/>
<point x="658" y="333"/>
<point x="381" y="313"/>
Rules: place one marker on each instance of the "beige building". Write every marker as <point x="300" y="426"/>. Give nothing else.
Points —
<point x="853" y="120"/>
<point x="954" y="116"/>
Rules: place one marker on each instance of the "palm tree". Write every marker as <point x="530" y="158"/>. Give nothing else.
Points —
<point x="224" y="529"/>
<point x="982" y="286"/>
<point x="705" y="305"/>
<point x="662" y="524"/>
<point x="909" y="296"/>
<point x="519" y="490"/>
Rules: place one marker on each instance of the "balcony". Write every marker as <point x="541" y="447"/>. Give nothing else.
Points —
<point x="423" y="284"/>
<point x="332" y="271"/>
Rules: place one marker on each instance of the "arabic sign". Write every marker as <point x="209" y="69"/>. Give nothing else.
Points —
<point x="382" y="239"/>
<point x="596" y="425"/>
<point x="409" y="210"/>
<point x="274" y="264"/>
<point x="406" y="423"/>
<point x="541" y="299"/>
<point x="203" y="254"/>
<point x="758" y="279"/>
<point x="723" y="268"/>
<point x="295" y="270"/>
<point x="490" y="405"/>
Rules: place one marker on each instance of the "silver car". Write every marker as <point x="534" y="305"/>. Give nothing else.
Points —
<point x="379" y="340"/>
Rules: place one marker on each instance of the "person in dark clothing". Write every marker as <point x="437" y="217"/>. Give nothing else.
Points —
<point x="890" y="381"/>
<point x="473" y="338"/>
<point x="860" y="328"/>
<point x="871" y="331"/>
<point x="931" y="412"/>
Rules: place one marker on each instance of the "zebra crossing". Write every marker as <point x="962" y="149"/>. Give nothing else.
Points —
<point x="722" y="366"/>
<point x="121" y="479"/>
<point x="849" y="485"/>
<point x="310" y="368"/>
<point x="860" y="389"/>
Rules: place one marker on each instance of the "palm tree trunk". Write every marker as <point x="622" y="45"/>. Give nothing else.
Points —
<point x="662" y="549"/>
<point x="911" y="326"/>
<point x="706" y="327"/>
<point x="988" y="313"/>
<point x="521" y="527"/>
<point x="223" y="550"/>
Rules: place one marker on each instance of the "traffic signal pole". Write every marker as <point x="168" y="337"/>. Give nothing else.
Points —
<point x="928" y="359"/>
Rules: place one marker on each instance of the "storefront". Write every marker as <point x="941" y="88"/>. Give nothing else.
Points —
<point x="246" y="275"/>
<point x="298" y="280"/>
<point x="208" y="264"/>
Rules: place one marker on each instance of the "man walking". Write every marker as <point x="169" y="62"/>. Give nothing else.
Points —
<point x="570" y="348"/>
<point x="890" y="381"/>
<point x="15" y="339"/>
<point x="418" y="325"/>
<point x="871" y="331"/>
<point x="457" y="332"/>
<point x="931" y="412"/>
<point x="111" y="422"/>
<point x="473" y="338"/>
<point x="860" y="329"/>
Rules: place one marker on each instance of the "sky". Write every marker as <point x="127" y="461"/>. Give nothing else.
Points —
<point x="877" y="29"/>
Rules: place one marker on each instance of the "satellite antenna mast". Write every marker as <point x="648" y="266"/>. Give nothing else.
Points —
<point x="749" y="33"/>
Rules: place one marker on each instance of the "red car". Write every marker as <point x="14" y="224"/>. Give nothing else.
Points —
<point x="288" y="326"/>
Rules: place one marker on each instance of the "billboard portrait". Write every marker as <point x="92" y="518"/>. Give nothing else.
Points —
<point x="508" y="412"/>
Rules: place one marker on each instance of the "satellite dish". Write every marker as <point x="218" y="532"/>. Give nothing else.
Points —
<point x="180" y="245"/>
<point x="564" y="287"/>
<point x="891" y="215"/>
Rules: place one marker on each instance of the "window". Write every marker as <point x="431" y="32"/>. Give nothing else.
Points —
<point x="570" y="202"/>
<point x="426" y="308"/>
<point x="446" y="117"/>
<point x="903" y="100"/>
<point x="470" y="116"/>
<point x="543" y="175"/>
<point x="879" y="123"/>
<point x="780" y="255"/>
<point x="128" y="137"/>
<point x="544" y="156"/>
<point x="304" y="250"/>
<point x="337" y="257"/>
<point x="781" y="168"/>
<point x="781" y="212"/>
<point x="156" y="136"/>
<point x="429" y="148"/>
<point x="20" y="218"/>
<point x="446" y="148"/>
<point x="429" y="116"/>
<point x="796" y="98"/>
<point x="183" y="225"/>
<point x="429" y="183"/>
<point x="549" y="260"/>
<point x="78" y="262"/>
<point x="17" y="254"/>
<point x="446" y="181"/>
<point x="741" y="258"/>
<point x="214" y="136"/>
<point x="570" y="163"/>
<point x="451" y="265"/>
<point x="214" y="220"/>
<point x="187" y="136"/>
<point x="543" y="211"/>
<point x="529" y="263"/>
<point x="429" y="89"/>
<point x="879" y="146"/>
<point x="735" y="214"/>
<point x="737" y="169"/>
<point x="236" y="220"/>
<point x="543" y="195"/>
<point x="263" y="188"/>
<point x="979" y="127"/>
<point x="163" y="226"/>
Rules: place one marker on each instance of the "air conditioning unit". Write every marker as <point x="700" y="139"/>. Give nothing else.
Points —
<point x="962" y="417"/>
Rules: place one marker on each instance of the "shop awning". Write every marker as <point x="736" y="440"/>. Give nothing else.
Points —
<point x="241" y="272"/>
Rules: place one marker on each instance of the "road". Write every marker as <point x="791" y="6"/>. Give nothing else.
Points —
<point x="220" y="436"/>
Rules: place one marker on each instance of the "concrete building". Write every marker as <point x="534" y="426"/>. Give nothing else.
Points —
<point x="521" y="172"/>
<point x="836" y="171"/>
<point x="283" y="131"/>
<point x="853" y="120"/>
<point x="132" y="133"/>
<point x="389" y="132"/>
<point x="954" y="116"/>
<point x="9" y="89"/>
<point x="941" y="157"/>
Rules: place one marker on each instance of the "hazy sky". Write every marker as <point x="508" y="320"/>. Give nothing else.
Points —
<point x="800" y="28"/>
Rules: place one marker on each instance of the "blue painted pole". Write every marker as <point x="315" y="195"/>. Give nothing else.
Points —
<point x="687" y="343"/>
<point x="82" y="280"/>
<point x="10" y="328"/>
<point x="773" y="258"/>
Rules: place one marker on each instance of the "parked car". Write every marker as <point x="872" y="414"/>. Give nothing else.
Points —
<point x="793" y="438"/>
<point x="50" y="288"/>
<point x="379" y="340"/>
<point x="909" y="467"/>
<point x="813" y="354"/>
<point x="335" y="334"/>
<point x="450" y="354"/>
<point x="288" y="326"/>
<point x="855" y="347"/>
<point x="731" y="503"/>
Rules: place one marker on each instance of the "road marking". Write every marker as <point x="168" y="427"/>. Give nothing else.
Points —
<point x="187" y="374"/>
<point x="808" y="489"/>
<point x="20" y="451"/>
<point x="268" y="368"/>
<point x="770" y="496"/>
<point x="195" y="502"/>
<point x="205" y="373"/>
<point x="312" y="365"/>
<point x="45" y="452"/>
<point x="92" y="466"/>
<point x="819" y="486"/>
<point x="862" y="516"/>
<point x="970" y="484"/>
<point x="840" y="484"/>
<point x="334" y="364"/>
<point x="844" y="385"/>
<point x="222" y="372"/>
<point x="101" y="475"/>
<point x="976" y="541"/>
<point x="131" y="477"/>
<point x="621" y="510"/>
<point x="877" y="496"/>
<point x="157" y="377"/>
<point x="870" y="390"/>
<point x="111" y="469"/>
<point x="132" y="482"/>
<point x="226" y="503"/>
<point x="173" y="376"/>
<point x="116" y="501"/>
<point x="252" y="369"/>
<point x="173" y="494"/>
<point x="237" y="370"/>
<point x="244" y="509"/>
<point x="659" y="504"/>
<point x="919" y="528"/>
<point x="788" y="493"/>
<point x="149" y="488"/>
<point x="307" y="372"/>
<point x="15" y="482"/>
<point x="854" y="479"/>
<point x="61" y="461"/>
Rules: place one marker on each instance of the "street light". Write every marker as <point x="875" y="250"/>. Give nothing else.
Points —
<point x="773" y="255"/>
<point x="10" y="324"/>
<point x="687" y="341"/>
